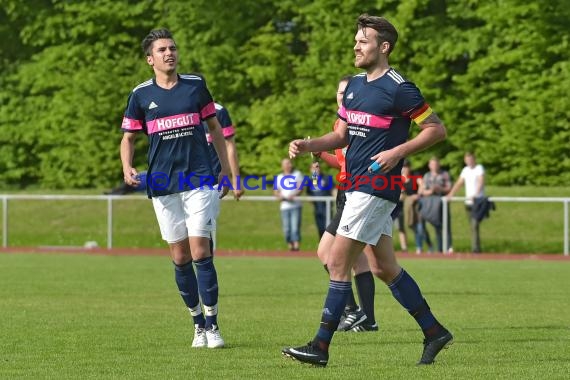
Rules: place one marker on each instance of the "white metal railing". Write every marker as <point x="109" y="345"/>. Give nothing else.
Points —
<point x="564" y="201"/>
<point x="109" y="199"/>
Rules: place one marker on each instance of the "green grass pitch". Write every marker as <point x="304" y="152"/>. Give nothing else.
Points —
<point x="75" y="316"/>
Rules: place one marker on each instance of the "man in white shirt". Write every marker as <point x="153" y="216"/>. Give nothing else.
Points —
<point x="286" y="188"/>
<point x="473" y="175"/>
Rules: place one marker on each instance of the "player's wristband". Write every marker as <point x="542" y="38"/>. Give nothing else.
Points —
<point x="375" y="167"/>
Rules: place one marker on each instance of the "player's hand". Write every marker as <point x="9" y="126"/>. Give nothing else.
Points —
<point x="238" y="193"/>
<point x="222" y="179"/>
<point x="297" y="147"/>
<point x="131" y="177"/>
<point x="386" y="160"/>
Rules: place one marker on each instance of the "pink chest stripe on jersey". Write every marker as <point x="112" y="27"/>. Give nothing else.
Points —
<point x="369" y="120"/>
<point x="173" y="122"/>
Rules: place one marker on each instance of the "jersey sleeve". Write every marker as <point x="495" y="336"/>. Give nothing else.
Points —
<point x="133" y="119"/>
<point x="225" y="120"/>
<point x="410" y="103"/>
<point x="206" y="102"/>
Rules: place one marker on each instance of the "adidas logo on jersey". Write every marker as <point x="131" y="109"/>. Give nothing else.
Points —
<point x="152" y="105"/>
<point x="350" y="96"/>
<point x="345" y="228"/>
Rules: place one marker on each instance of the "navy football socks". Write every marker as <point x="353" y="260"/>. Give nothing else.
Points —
<point x="408" y="294"/>
<point x="334" y="306"/>
<point x="188" y="288"/>
<point x="351" y="304"/>
<point x="208" y="288"/>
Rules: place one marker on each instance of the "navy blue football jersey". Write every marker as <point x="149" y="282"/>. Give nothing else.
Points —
<point x="178" y="154"/>
<point x="228" y="131"/>
<point x="378" y="114"/>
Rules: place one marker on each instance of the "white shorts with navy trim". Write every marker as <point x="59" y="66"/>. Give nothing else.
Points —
<point x="366" y="218"/>
<point x="187" y="214"/>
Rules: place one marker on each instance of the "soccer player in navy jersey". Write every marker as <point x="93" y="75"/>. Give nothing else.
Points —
<point x="228" y="130"/>
<point x="377" y="109"/>
<point x="169" y="109"/>
<point x="354" y="318"/>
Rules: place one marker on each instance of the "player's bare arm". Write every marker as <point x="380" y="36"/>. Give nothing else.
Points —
<point x="127" y="153"/>
<point x="220" y="145"/>
<point x="455" y="187"/>
<point x="330" y="159"/>
<point x="234" y="166"/>
<point x="432" y="132"/>
<point x="332" y="140"/>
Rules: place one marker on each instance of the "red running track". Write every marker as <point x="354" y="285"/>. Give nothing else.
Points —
<point x="306" y="254"/>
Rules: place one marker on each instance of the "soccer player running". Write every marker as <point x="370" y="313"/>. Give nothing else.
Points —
<point x="375" y="115"/>
<point x="354" y="318"/>
<point x="169" y="108"/>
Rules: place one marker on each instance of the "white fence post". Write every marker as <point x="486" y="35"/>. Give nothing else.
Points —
<point x="566" y="227"/>
<point x="110" y="222"/>
<point x="444" y="223"/>
<point x="4" y="221"/>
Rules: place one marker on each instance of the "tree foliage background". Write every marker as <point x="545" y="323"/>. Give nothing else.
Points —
<point x="496" y="71"/>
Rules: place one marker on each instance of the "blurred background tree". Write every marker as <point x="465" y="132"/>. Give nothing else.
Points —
<point x="496" y="71"/>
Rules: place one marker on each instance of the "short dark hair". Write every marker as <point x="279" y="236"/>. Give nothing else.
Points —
<point x="156" y="34"/>
<point x="386" y="31"/>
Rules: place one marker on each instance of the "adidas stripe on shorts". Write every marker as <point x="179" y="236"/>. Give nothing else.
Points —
<point x="365" y="217"/>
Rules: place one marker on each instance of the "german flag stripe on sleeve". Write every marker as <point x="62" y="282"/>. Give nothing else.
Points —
<point x="421" y="113"/>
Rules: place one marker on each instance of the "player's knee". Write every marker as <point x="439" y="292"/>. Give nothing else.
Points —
<point x="322" y="254"/>
<point x="373" y="266"/>
<point x="361" y="266"/>
<point x="386" y="272"/>
<point x="337" y="270"/>
<point x="181" y="257"/>
<point x="201" y="252"/>
<point x="180" y="252"/>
